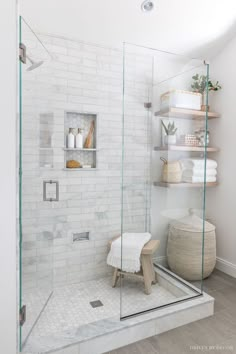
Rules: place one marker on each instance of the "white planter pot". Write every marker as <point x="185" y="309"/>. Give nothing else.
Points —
<point x="170" y="139"/>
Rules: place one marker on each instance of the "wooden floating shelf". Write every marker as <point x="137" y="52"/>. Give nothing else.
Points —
<point x="77" y="149"/>
<point x="79" y="169"/>
<point x="172" y="112"/>
<point x="185" y="185"/>
<point x="185" y="148"/>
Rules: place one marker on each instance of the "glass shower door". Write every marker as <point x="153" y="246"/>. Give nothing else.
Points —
<point x="163" y="204"/>
<point x="36" y="164"/>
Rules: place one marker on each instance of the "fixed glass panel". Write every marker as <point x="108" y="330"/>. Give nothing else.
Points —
<point x="163" y="201"/>
<point x="71" y="194"/>
<point x="36" y="160"/>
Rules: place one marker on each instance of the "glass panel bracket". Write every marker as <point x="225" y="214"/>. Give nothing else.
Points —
<point x="22" y="53"/>
<point x="22" y="315"/>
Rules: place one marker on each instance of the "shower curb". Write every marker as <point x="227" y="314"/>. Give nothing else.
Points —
<point x="145" y="326"/>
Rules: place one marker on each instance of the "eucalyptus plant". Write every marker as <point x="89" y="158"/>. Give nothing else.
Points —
<point x="200" y="84"/>
<point x="170" y="129"/>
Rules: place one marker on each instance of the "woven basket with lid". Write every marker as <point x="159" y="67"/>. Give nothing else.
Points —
<point x="185" y="247"/>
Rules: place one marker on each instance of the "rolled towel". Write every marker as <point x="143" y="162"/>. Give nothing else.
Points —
<point x="130" y="247"/>
<point x="196" y="172"/>
<point x="198" y="163"/>
<point x="194" y="179"/>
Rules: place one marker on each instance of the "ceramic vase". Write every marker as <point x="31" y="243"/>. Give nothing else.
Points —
<point x="170" y="139"/>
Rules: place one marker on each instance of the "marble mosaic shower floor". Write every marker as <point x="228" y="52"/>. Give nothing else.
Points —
<point x="35" y="301"/>
<point x="70" y="308"/>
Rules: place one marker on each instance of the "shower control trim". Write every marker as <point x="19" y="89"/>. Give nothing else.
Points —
<point x="51" y="195"/>
<point x="147" y="105"/>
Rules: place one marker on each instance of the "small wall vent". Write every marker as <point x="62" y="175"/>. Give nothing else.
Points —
<point x="80" y="236"/>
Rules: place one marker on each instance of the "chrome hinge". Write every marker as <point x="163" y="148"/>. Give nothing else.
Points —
<point x="22" y="54"/>
<point x="22" y="315"/>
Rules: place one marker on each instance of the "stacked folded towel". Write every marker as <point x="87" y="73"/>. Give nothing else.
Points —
<point x="194" y="170"/>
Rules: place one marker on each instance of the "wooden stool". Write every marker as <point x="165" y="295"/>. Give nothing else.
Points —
<point x="147" y="272"/>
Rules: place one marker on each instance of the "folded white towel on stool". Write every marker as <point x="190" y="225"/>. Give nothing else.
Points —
<point x="126" y="254"/>
<point x="198" y="163"/>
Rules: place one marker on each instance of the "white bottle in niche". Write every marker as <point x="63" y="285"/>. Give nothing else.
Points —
<point x="79" y="139"/>
<point x="70" y="139"/>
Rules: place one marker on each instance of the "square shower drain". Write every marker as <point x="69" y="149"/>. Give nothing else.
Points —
<point x="96" y="303"/>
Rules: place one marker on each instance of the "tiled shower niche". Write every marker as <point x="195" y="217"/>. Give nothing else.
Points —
<point x="87" y="157"/>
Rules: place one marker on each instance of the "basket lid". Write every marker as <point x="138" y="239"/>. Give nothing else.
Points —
<point x="192" y="223"/>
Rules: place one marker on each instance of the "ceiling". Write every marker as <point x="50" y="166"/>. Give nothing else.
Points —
<point x="198" y="28"/>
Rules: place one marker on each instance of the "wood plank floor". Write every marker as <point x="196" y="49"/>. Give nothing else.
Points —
<point x="216" y="334"/>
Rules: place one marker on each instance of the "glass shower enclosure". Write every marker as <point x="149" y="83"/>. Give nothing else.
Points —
<point x="142" y="116"/>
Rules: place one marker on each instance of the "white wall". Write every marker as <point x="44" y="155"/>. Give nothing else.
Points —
<point x="111" y="22"/>
<point x="8" y="177"/>
<point x="221" y="201"/>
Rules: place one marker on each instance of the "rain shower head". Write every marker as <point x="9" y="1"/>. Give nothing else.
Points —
<point x="34" y="64"/>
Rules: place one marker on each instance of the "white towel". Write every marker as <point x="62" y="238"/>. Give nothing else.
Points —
<point x="198" y="163"/>
<point x="196" y="172"/>
<point x="194" y="179"/>
<point x="132" y="244"/>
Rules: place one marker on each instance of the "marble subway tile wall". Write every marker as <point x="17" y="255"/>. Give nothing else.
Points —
<point x="83" y="78"/>
<point x="138" y="71"/>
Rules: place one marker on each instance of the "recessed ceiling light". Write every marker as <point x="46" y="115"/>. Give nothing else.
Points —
<point x="147" y="6"/>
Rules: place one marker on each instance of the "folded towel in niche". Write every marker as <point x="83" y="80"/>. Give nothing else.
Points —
<point x="198" y="163"/>
<point x="194" y="179"/>
<point x="125" y="254"/>
<point x="196" y="172"/>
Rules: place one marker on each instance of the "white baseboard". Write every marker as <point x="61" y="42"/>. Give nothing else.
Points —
<point x="226" y="267"/>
